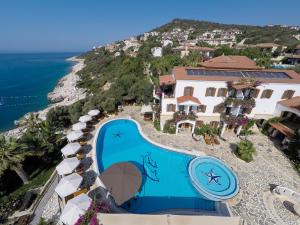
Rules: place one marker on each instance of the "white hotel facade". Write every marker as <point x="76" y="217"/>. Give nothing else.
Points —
<point x="204" y="88"/>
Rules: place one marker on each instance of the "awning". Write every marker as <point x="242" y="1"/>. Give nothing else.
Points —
<point x="71" y="149"/>
<point x="137" y="219"/>
<point x="68" y="185"/>
<point x="74" y="135"/>
<point x="286" y="131"/>
<point x="79" y="126"/>
<point x="146" y="109"/>
<point x="67" y="166"/>
<point x="85" y="118"/>
<point x="122" y="180"/>
<point x="75" y="208"/>
<point x="188" y="100"/>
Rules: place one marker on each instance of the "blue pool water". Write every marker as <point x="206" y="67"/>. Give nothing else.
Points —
<point x="213" y="179"/>
<point x="166" y="183"/>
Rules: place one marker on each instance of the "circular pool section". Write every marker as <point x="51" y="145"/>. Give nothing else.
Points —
<point x="212" y="178"/>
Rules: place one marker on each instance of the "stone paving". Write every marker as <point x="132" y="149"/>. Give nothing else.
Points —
<point x="254" y="203"/>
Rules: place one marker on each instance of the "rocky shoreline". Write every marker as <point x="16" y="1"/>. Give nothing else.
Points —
<point x="65" y="93"/>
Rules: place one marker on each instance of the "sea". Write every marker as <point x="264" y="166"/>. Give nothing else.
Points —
<point x="25" y="81"/>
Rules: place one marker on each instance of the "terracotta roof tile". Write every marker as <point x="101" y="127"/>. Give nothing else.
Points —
<point x="230" y="62"/>
<point x="267" y="45"/>
<point x="188" y="98"/>
<point x="166" y="79"/>
<point x="291" y="103"/>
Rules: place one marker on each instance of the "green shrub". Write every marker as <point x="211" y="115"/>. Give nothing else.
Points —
<point x="246" y="150"/>
<point x="169" y="128"/>
<point x="206" y="129"/>
<point x="157" y="124"/>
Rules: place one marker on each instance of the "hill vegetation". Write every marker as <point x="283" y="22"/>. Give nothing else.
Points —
<point x="253" y="34"/>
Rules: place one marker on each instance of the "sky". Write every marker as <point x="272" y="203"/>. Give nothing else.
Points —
<point x="78" y="25"/>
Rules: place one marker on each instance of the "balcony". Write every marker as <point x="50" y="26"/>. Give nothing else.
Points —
<point x="181" y="115"/>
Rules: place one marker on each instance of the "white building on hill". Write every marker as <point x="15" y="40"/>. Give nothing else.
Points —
<point x="203" y="91"/>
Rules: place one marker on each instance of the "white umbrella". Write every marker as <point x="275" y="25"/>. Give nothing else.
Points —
<point x="68" y="185"/>
<point x="94" y="112"/>
<point x="79" y="126"/>
<point x="71" y="149"/>
<point x="85" y="118"/>
<point x="75" y="208"/>
<point x="74" y="135"/>
<point x="67" y="166"/>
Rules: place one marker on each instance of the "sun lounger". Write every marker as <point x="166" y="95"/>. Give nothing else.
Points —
<point x="80" y="191"/>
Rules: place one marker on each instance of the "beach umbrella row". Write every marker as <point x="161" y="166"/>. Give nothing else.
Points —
<point x="68" y="185"/>
<point x="75" y="208"/>
<point x="94" y="112"/>
<point x="75" y="135"/>
<point x="79" y="126"/>
<point x="67" y="166"/>
<point x="71" y="149"/>
<point x="85" y="118"/>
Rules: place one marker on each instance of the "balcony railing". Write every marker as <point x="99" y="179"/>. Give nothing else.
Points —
<point x="179" y="116"/>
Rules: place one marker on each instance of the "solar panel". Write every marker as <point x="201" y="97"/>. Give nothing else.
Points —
<point x="250" y="74"/>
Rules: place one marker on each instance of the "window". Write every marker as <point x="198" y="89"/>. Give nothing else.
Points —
<point x="288" y="94"/>
<point x="255" y="93"/>
<point x="202" y="108"/>
<point x="218" y="108"/>
<point x="267" y="93"/>
<point x="171" y="108"/>
<point x="188" y="91"/>
<point x="214" y="124"/>
<point x="222" y="92"/>
<point x="210" y="91"/>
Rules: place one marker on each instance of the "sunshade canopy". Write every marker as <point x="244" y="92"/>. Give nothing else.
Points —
<point x="68" y="185"/>
<point x="79" y="126"/>
<point x="74" y="135"/>
<point x="71" y="149"/>
<point x="94" y="112"/>
<point x="122" y="180"/>
<point x="85" y="118"/>
<point x="67" y="166"/>
<point x="75" y="208"/>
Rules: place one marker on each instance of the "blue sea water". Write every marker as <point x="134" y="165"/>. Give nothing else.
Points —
<point x="25" y="81"/>
<point x="166" y="184"/>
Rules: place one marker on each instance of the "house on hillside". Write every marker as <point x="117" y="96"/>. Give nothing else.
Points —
<point x="268" y="47"/>
<point x="184" y="50"/>
<point x="156" y="51"/>
<point x="294" y="56"/>
<point x="225" y="92"/>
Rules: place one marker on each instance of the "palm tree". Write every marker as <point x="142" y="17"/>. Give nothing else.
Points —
<point x="12" y="154"/>
<point x="245" y="150"/>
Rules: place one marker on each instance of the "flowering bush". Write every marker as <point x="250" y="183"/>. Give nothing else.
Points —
<point x="90" y="217"/>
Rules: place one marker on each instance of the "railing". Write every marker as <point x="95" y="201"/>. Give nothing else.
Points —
<point x="181" y="115"/>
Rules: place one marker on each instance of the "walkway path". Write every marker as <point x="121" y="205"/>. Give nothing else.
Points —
<point x="45" y="199"/>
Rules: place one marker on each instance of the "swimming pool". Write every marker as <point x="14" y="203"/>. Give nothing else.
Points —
<point x="166" y="184"/>
<point x="213" y="179"/>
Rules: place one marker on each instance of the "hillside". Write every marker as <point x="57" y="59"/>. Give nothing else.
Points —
<point x="254" y="34"/>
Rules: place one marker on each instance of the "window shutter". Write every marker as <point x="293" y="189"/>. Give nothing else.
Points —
<point x="207" y="92"/>
<point x="188" y="91"/>
<point x="173" y="108"/>
<point x="255" y="93"/>
<point x="218" y="109"/>
<point x="202" y="108"/>
<point x="222" y="92"/>
<point x="199" y="123"/>
<point x="269" y="93"/>
<point x="288" y="94"/>
<point x="213" y="91"/>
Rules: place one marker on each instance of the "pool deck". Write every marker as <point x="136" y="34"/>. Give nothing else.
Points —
<point x="254" y="203"/>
